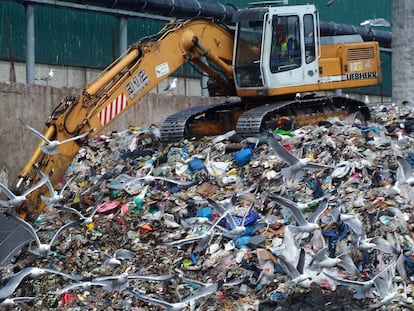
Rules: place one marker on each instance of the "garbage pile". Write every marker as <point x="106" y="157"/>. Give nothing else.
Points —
<point x="231" y="223"/>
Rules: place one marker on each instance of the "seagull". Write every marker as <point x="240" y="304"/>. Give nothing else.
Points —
<point x="321" y="260"/>
<point x="224" y="212"/>
<point x="171" y="87"/>
<point x="304" y="225"/>
<point x="330" y="2"/>
<point x="43" y="250"/>
<point x="85" y="220"/>
<point x="51" y="145"/>
<point x="296" y="273"/>
<point x="113" y="283"/>
<point x="16" y="200"/>
<point x="296" y="166"/>
<point x="118" y="255"/>
<point x="202" y="240"/>
<point x="128" y="184"/>
<point x="33" y="272"/>
<point x="365" y="288"/>
<point x="189" y="301"/>
<point x="376" y="22"/>
<point x="55" y="198"/>
<point x="47" y="77"/>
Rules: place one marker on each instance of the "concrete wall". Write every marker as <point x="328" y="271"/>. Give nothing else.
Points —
<point x="34" y="103"/>
<point x="78" y="77"/>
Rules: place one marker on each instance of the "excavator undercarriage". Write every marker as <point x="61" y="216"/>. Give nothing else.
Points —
<point x="251" y="118"/>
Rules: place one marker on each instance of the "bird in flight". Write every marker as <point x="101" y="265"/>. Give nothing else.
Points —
<point x="43" y="249"/>
<point x="51" y="145"/>
<point x="16" y="200"/>
<point x="296" y="165"/>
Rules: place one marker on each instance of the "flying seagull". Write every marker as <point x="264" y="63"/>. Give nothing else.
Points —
<point x="51" y="145"/>
<point x="206" y="289"/>
<point x="113" y="283"/>
<point x="85" y="220"/>
<point x="118" y="255"/>
<point x="296" y="166"/>
<point x="55" y="198"/>
<point x="171" y="87"/>
<point x="33" y="272"/>
<point x="46" y="77"/>
<point x="16" y="200"/>
<point x="43" y="249"/>
<point x="303" y="225"/>
<point x="330" y="2"/>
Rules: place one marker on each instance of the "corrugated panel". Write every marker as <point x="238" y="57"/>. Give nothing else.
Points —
<point x="75" y="38"/>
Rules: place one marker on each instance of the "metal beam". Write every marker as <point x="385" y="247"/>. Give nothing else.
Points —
<point x="30" y="44"/>
<point x="98" y="9"/>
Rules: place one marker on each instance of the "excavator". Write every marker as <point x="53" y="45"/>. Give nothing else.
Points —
<point x="271" y="56"/>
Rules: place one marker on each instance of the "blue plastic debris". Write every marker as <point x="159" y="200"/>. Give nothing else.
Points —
<point x="196" y="164"/>
<point x="205" y="212"/>
<point x="243" y="156"/>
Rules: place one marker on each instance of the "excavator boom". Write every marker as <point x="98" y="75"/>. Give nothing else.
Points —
<point x="135" y="73"/>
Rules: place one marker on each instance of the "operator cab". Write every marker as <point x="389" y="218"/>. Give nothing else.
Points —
<point x="275" y="50"/>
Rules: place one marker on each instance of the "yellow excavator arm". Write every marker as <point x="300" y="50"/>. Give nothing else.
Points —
<point x="134" y="74"/>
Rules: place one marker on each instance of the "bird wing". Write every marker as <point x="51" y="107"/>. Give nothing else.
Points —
<point x="124" y="254"/>
<point x="74" y="277"/>
<point x="317" y="166"/>
<point x="36" y="133"/>
<point x="292" y="206"/>
<point x="165" y="277"/>
<point x="281" y="151"/>
<point x="406" y="169"/>
<point x="27" y="226"/>
<point x="155" y="301"/>
<point x="75" y="138"/>
<point x="13" y="282"/>
<point x="43" y="180"/>
<point x="345" y="281"/>
<point x="71" y="210"/>
<point x="313" y="218"/>
<point x="48" y="183"/>
<point x="7" y="191"/>
<point x="62" y="229"/>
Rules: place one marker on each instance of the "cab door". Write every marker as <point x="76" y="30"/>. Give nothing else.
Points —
<point x="290" y="56"/>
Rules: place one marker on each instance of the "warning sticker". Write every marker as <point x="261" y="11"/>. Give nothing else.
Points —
<point x="162" y="69"/>
<point x="137" y="84"/>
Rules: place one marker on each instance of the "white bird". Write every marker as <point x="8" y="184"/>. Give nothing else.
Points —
<point x="224" y="210"/>
<point x="364" y="288"/>
<point x="296" y="166"/>
<point x="33" y="272"/>
<point x="303" y="225"/>
<point x="119" y="254"/>
<point x="43" y="249"/>
<point x="113" y="282"/>
<point x="171" y="87"/>
<point x="55" y="198"/>
<point x="297" y="273"/>
<point x="50" y="146"/>
<point x="85" y="220"/>
<point x="376" y="22"/>
<point x="189" y="301"/>
<point x="16" y="200"/>
<point x="330" y="2"/>
<point x="46" y="77"/>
